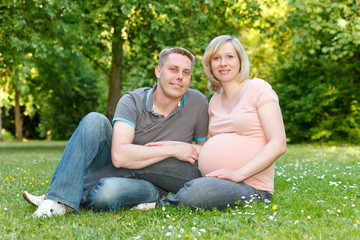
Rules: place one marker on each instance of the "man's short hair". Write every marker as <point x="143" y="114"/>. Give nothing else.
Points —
<point x="211" y="50"/>
<point x="179" y="50"/>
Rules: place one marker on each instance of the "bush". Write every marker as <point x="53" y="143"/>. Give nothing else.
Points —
<point x="69" y="99"/>
<point x="318" y="80"/>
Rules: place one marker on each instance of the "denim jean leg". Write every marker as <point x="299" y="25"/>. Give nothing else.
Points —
<point x="208" y="193"/>
<point x="113" y="194"/>
<point x="170" y="174"/>
<point x="87" y="150"/>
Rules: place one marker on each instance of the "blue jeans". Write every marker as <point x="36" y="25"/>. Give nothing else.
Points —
<point x="208" y="193"/>
<point x="87" y="159"/>
<point x="113" y="193"/>
<point x="87" y="150"/>
<point x="169" y="175"/>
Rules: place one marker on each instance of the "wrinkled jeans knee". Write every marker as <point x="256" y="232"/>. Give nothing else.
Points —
<point x="112" y="194"/>
<point x="209" y="193"/>
<point x="96" y="125"/>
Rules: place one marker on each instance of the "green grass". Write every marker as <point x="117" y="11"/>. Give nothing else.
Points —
<point x="317" y="197"/>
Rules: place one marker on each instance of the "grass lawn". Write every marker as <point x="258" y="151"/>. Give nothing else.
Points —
<point x="316" y="197"/>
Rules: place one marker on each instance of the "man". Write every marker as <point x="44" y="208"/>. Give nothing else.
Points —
<point x="149" y="149"/>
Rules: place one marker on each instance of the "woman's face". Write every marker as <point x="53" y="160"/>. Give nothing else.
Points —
<point x="225" y="64"/>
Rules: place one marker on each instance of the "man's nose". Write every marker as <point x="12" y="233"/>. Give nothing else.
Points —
<point x="180" y="75"/>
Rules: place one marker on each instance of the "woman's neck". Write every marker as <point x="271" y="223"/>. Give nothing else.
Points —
<point x="231" y="89"/>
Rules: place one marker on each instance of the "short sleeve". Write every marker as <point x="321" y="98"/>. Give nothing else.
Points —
<point x="265" y="93"/>
<point x="201" y="128"/>
<point x="126" y="110"/>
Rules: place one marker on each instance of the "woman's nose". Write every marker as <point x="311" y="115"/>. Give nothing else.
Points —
<point x="223" y="61"/>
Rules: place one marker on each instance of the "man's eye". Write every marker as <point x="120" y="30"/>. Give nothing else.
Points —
<point x="186" y="72"/>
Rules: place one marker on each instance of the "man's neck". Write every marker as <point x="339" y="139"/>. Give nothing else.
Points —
<point x="162" y="104"/>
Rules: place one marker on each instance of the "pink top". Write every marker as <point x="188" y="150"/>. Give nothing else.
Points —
<point x="236" y="137"/>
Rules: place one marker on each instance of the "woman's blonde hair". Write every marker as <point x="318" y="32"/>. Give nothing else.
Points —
<point x="211" y="50"/>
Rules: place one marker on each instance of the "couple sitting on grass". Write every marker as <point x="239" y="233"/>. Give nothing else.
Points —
<point x="149" y="151"/>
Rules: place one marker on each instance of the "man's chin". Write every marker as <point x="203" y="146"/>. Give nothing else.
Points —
<point x="177" y="93"/>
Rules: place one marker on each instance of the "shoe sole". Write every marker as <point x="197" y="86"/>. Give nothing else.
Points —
<point x="26" y="197"/>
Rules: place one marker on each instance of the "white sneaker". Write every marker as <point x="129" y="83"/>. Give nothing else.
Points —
<point x="49" y="208"/>
<point x="144" y="206"/>
<point x="34" y="200"/>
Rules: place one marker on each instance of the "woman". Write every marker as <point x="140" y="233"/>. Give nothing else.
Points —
<point x="246" y="134"/>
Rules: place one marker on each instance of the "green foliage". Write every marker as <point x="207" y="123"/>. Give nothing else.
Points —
<point x="148" y="27"/>
<point x="317" y="80"/>
<point x="67" y="92"/>
<point x="316" y="197"/>
<point x="41" y="62"/>
<point x="121" y="38"/>
<point x="308" y="51"/>
<point x="7" y="136"/>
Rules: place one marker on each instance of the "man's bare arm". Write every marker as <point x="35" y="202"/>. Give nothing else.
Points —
<point x="128" y="155"/>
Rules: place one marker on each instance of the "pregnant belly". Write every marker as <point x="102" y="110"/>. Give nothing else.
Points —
<point x="228" y="150"/>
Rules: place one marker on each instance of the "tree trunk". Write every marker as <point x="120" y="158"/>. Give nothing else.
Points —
<point x="116" y="71"/>
<point x="18" y="127"/>
<point x="1" y="136"/>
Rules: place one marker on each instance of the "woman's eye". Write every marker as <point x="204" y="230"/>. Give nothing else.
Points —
<point x="230" y="57"/>
<point x="216" y="58"/>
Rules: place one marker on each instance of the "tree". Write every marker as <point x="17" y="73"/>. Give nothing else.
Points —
<point x="3" y="103"/>
<point x="121" y="38"/>
<point x="23" y="32"/>
<point x="130" y="34"/>
<point x="318" y="78"/>
<point x="76" y="94"/>
<point x="31" y="36"/>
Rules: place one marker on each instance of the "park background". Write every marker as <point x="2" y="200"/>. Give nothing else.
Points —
<point x="61" y="59"/>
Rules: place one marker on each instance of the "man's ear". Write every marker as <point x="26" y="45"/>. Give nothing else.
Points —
<point x="157" y="72"/>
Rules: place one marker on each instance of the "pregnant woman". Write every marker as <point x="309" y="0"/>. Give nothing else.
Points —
<point x="246" y="134"/>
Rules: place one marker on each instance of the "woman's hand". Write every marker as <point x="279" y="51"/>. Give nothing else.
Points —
<point x="225" y="174"/>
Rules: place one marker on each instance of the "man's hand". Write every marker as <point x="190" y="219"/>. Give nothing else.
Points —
<point x="125" y="154"/>
<point x="180" y="150"/>
<point x="225" y="174"/>
<point x="162" y="143"/>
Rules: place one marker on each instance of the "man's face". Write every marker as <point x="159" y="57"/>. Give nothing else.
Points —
<point x="174" y="75"/>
